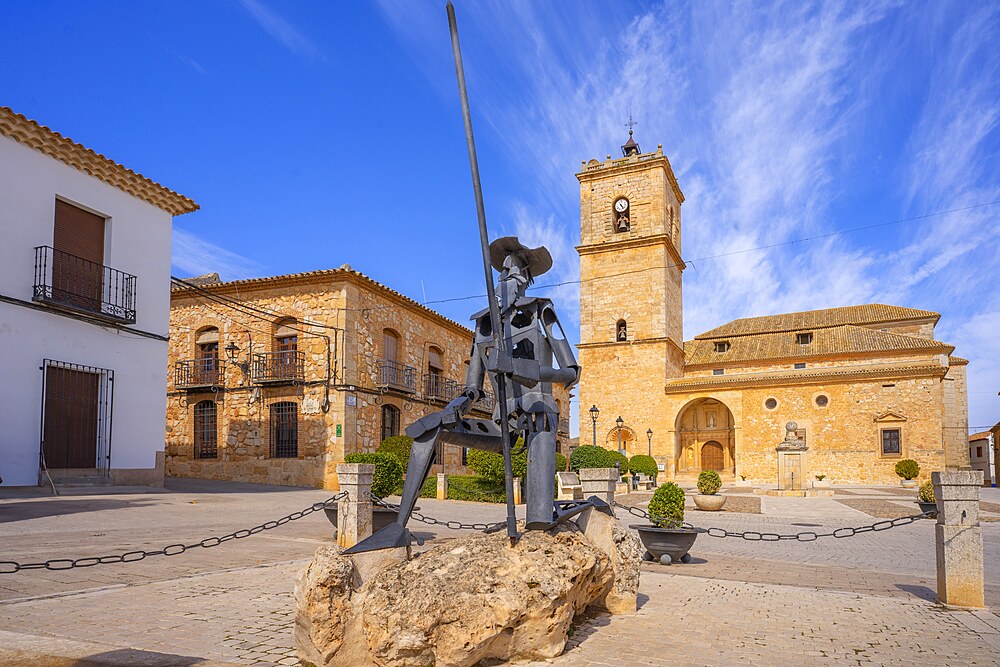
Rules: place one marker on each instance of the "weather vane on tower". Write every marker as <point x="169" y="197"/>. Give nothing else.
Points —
<point x="630" y="147"/>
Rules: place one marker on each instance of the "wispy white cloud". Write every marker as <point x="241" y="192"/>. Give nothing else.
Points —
<point x="281" y="30"/>
<point x="193" y="256"/>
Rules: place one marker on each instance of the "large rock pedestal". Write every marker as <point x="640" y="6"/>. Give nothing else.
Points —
<point x="463" y="601"/>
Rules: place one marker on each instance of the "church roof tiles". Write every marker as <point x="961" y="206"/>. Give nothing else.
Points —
<point x="867" y="314"/>
<point x="984" y="435"/>
<point x="830" y="341"/>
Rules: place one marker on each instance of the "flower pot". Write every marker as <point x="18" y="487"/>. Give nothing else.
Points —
<point x="928" y="507"/>
<point x="381" y="517"/>
<point x="908" y="483"/>
<point x="667" y="545"/>
<point x="712" y="503"/>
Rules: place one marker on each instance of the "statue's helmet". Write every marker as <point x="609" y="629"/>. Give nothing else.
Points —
<point x="536" y="260"/>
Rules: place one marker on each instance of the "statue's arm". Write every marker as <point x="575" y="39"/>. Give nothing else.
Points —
<point x="568" y="372"/>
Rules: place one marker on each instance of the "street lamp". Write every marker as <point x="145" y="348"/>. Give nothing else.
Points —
<point x="620" y="421"/>
<point x="649" y="442"/>
<point x="593" y="417"/>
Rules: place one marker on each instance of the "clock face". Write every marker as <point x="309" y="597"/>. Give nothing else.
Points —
<point x="621" y="205"/>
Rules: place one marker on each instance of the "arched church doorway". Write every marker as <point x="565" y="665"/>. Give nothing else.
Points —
<point x="712" y="456"/>
<point x="706" y="438"/>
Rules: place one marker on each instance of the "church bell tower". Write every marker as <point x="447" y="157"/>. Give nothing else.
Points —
<point x="631" y="337"/>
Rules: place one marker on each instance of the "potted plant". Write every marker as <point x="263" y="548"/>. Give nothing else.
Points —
<point x="821" y="482"/>
<point x="709" y="484"/>
<point x="909" y="470"/>
<point x="667" y="540"/>
<point x="926" y="499"/>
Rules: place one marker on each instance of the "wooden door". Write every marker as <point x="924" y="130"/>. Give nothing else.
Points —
<point x="71" y="419"/>
<point x="78" y="260"/>
<point x="712" y="457"/>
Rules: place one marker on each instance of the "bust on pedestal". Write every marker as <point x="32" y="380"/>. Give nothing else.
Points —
<point x="791" y="460"/>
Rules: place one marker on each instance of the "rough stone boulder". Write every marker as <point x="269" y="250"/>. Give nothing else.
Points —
<point x="460" y="602"/>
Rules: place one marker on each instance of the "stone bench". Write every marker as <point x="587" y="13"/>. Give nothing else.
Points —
<point x="569" y="486"/>
<point x="644" y="483"/>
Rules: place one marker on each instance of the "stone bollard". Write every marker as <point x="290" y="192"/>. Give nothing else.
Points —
<point x="599" y="482"/>
<point x="517" y="491"/>
<point x="442" y="489"/>
<point x="354" y="513"/>
<point x="958" y="538"/>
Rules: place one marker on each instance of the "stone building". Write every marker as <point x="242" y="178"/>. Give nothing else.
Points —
<point x="866" y="385"/>
<point x="981" y="455"/>
<point x="274" y="380"/>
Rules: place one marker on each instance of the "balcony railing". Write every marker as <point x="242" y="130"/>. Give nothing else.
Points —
<point x="437" y="388"/>
<point x="197" y="373"/>
<point x="287" y="366"/>
<point x="68" y="281"/>
<point x="485" y="404"/>
<point x="395" y="375"/>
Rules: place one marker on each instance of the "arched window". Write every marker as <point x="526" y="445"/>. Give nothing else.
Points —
<point x="205" y="430"/>
<point x="435" y="375"/>
<point x="206" y="366"/>
<point x="284" y="430"/>
<point x="390" y="421"/>
<point x="621" y="331"/>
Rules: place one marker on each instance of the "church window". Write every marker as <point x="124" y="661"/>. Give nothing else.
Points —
<point x="718" y="371"/>
<point x="771" y="403"/>
<point x="621" y="331"/>
<point x="890" y="441"/>
<point x="722" y="346"/>
<point x="799" y="367"/>
<point x="804" y="338"/>
<point x="822" y="401"/>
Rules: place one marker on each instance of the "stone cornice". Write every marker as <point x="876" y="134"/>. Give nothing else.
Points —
<point x="803" y="377"/>
<point x="843" y="356"/>
<point x="594" y="169"/>
<point x="640" y="242"/>
<point x="641" y="341"/>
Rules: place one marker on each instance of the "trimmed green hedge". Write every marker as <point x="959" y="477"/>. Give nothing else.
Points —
<point x="642" y="464"/>
<point x="666" y="507"/>
<point x="388" y="478"/>
<point x="709" y="482"/>
<point x="489" y="465"/>
<point x="466" y="487"/>
<point x="620" y="459"/>
<point x="589" y="456"/>
<point x="398" y="446"/>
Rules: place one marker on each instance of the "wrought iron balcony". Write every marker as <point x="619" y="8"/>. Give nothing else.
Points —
<point x="285" y="367"/>
<point x="395" y="375"/>
<point x="74" y="283"/>
<point x="438" y="388"/>
<point x="199" y="373"/>
<point x="485" y="404"/>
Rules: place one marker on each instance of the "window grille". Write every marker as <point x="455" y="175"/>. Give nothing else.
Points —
<point x="390" y="421"/>
<point x="205" y="430"/>
<point x="284" y="430"/>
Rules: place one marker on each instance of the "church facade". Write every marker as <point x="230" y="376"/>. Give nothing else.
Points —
<point x="866" y="385"/>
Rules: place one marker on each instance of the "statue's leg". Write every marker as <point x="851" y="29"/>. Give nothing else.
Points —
<point x="421" y="459"/>
<point x="541" y="475"/>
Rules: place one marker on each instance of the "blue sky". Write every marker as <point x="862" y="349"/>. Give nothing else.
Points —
<point x="319" y="133"/>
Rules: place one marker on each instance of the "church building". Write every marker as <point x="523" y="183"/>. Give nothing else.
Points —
<point x="865" y="385"/>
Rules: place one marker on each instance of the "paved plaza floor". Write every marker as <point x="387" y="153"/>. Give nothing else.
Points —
<point x="866" y="599"/>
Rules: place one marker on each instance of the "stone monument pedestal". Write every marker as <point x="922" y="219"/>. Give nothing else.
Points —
<point x="792" y="467"/>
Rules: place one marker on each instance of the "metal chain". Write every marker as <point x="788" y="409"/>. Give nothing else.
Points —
<point x="10" y="567"/>
<point x="808" y="536"/>
<point x="431" y="521"/>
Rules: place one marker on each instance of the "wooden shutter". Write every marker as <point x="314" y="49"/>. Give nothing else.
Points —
<point x="389" y="345"/>
<point x="78" y="261"/>
<point x="78" y="232"/>
<point x="70" y="435"/>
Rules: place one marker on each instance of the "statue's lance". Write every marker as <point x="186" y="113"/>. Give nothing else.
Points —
<point x="502" y="345"/>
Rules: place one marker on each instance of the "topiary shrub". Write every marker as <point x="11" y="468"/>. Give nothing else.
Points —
<point x="589" y="456"/>
<point x="388" y="478"/>
<point x="489" y="465"/>
<point x="619" y="458"/>
<point x="907" y="469"/>
<point x="666" y="507"/>
<point x="709" y="482"/>
<point x="926" y="493"/>
<point x="641" y="464"/>
<point x="398" y="446"/>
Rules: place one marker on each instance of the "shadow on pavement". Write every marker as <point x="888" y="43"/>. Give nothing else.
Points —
<point x="37" y="509"/>
<point x="191" y="485"/>
<point x="922" y="592"/>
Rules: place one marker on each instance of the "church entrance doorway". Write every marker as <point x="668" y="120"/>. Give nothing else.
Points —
<point x="706" y="439"/>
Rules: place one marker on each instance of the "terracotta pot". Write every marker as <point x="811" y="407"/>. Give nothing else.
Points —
<point x="712" y="503"/>
<point x="667" y="545"/>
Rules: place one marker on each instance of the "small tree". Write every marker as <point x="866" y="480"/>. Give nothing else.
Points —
<point x="589" y="456"/>
<point x="908" y="469"/>
<point x="398" y="446"/>
<point x="388" y="477"/>
<point x="666" y="507"/>
<point x="619" y="458"/>
<point x="641" y="464"/>
<point x="709" y="482"/>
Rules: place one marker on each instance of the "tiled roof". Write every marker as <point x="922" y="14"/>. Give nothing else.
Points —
<point x="871" y="313"/>
<point x="64" y="149"/>
<point x="984" y="435"/>
<point x="344" y="271"/>
<point x="957" y="361"/>
<point x="826" y="342"/>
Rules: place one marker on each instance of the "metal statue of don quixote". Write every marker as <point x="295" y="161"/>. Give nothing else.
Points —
<point x="520" y="347"/>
